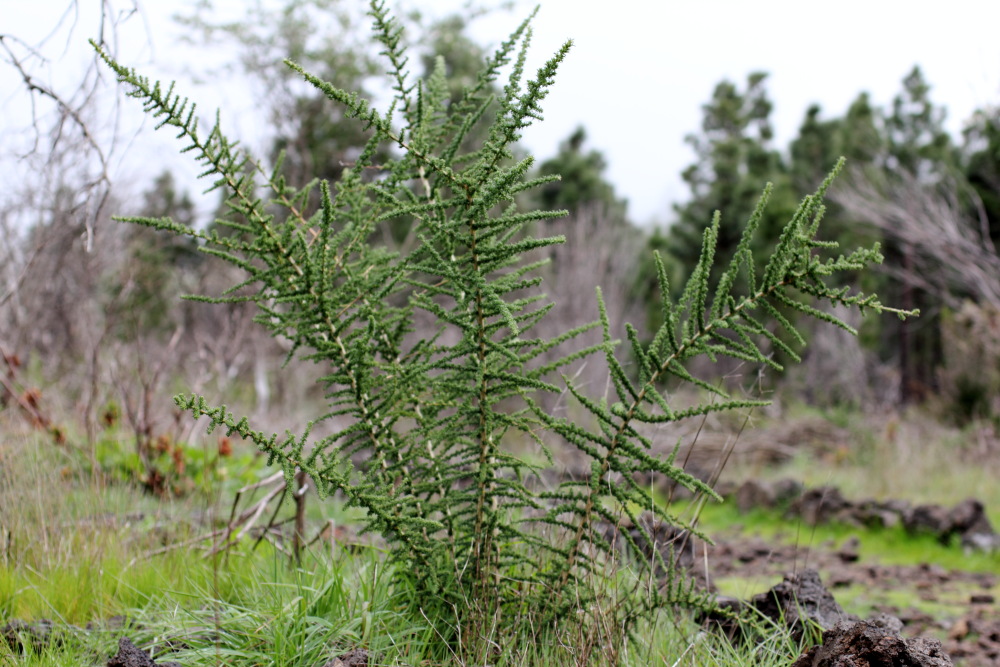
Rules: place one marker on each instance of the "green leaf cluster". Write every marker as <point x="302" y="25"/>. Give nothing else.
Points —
<point x="421" y="421"/>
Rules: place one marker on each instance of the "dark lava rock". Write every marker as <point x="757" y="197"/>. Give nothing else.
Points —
<point x="875" y="514"/>
<point x="753" y="494"/>
<point x="129" y="655"/>
<point x="969" y="516"/>
<point x="356" y="658"/>
<point x="18" y="634"/>
<point x="819" y="505"/>
<point x="969" y="521"/>
<point x="800" y="602"/>
<point x="673" y="544"/>
<point x="932" y="519"/>
<point x="786" y="491"/>
<point x="673" y="490"/>
<point x="872" y="644"/>
<point x="887" y="621"/>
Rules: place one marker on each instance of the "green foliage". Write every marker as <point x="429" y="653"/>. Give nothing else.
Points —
<point x="143" y="290"/>
<point x="421" y="422"/>
<point x="582" y="181"/>
<point x="917" y="140"/>
<point x="982" y="165"/>
<point x="901" y="157"/>
<point x="857" y="136"/>
<point x="175" y="468"/>
<point x="734" y="157"/>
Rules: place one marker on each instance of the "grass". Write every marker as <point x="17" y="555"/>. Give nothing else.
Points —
<point x="82" y="551"/>
<point x="308" y="615"/>
<point x="887" y="546"/>
<point x="910" y="456"/>
<point x="75" y="559"/>
<point x="276" y="615"/>
<point x="888" y="457"/>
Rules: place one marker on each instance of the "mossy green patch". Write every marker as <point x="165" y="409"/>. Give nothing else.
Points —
<point x="888" y="546"/>
<point x="104" y="585"/>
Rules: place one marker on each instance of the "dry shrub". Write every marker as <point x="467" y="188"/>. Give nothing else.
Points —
<point x="970" y="377"/>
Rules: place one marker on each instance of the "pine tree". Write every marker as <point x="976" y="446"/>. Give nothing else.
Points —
<point x="918" y="143"/>
<point x="151" y="277"/>
<point x="814" y="152"/>
<point x="581" y="180"/>
<point x="734" y="160"/>
<point x="982" y="166"/>
<point x="861" y="138"/>
<point x="920" y="153"/>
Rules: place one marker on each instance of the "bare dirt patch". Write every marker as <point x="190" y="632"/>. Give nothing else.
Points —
<point x="955" y="606"/>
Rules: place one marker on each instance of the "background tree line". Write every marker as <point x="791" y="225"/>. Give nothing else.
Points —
<point x="91" y="306"/>
<point x="931" y="200"/>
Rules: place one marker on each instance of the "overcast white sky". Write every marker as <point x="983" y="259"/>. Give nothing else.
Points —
<point x="637" y="75"/>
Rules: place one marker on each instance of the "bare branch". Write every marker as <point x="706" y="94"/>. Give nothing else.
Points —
<point x="954" y="257"/>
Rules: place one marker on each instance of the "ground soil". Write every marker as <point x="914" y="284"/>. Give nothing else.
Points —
<point x="959" y="608"/>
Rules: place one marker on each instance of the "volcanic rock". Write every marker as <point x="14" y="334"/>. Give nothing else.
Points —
<point x="873" y="643"/>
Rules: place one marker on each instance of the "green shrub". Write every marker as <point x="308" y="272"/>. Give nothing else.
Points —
<point x="164" y="467"/>
<point x="423" y="421"/>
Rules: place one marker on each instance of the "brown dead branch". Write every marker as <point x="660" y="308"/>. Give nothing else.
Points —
<point x="953" y="255"/>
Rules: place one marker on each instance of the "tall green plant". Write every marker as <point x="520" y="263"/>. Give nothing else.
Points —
<point x="431" y="416"/>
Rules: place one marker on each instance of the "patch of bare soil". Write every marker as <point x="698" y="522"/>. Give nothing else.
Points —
<point x="129" y="655"/>
<point x="970" y="630"/>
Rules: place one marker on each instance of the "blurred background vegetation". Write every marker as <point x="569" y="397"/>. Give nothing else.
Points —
<point x="94" y="335"/>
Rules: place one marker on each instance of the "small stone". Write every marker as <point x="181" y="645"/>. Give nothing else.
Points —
<point x="959" y="629"/>
<point x="753" y="494"/>
<point x="129" y="655"/>
<point x="801" y="602"/>
<point x="849" y="550"/>
<point x="356" y="658"/>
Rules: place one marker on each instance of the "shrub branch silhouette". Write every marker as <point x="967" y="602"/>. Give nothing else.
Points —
<point x="471" y="540"/>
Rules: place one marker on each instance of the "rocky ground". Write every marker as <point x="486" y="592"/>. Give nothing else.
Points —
<point x="957" y="607"/>
<point x="966" y="617"/>
<point x="968" y="622"/>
